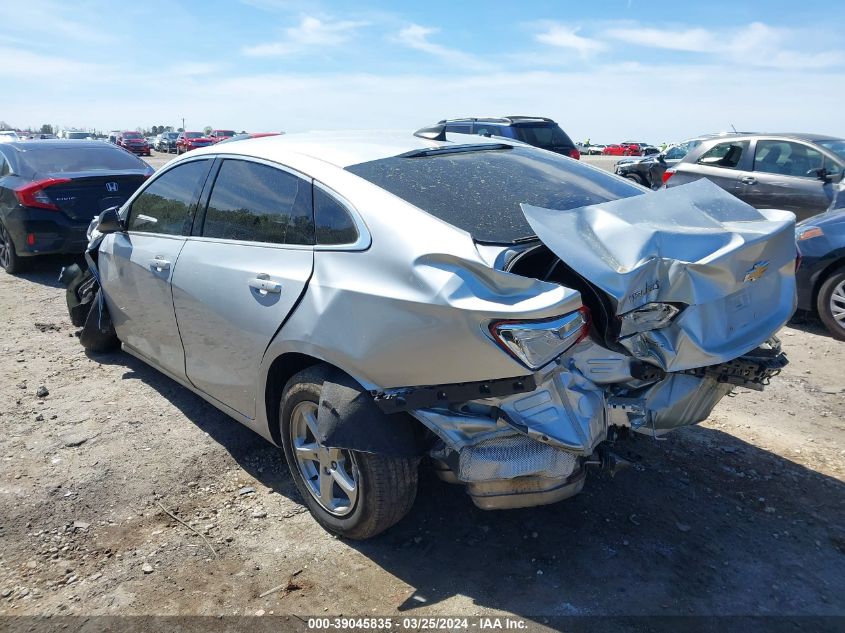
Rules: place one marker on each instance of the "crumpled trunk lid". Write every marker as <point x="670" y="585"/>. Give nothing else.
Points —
<point x="729" y="266"/>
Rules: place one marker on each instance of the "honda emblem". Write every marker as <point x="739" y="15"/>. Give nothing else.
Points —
<point x="111" y="187"/>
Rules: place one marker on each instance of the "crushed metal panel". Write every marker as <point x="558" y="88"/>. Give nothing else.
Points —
<point x="729" y="265"/>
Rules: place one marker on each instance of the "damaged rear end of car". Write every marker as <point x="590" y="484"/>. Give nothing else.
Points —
<point x="673" y="300"/>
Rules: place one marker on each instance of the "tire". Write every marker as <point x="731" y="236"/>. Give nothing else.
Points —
<point x="11" y="262"/>
<point x="832" y="295"/>
<point x="98" y="334"/>
<point x="385" y="486"/>
<point x="636" y="178"/>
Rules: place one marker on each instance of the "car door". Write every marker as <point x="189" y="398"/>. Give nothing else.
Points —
<point x="137" y="266"/>
<point x="783" y="178"/>
<point x="722" y="164"/>
<point x="241" y="274"/>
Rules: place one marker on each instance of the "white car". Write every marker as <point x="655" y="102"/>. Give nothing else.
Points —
<point x="9" y="136"/>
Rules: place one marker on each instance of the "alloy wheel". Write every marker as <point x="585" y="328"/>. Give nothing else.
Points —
<point x="330" y="474"/>
<point x="837" y="304"/>
<point x="5" y="247"/>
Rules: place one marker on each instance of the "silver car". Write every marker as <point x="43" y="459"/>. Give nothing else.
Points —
<point x="366" y="300"/>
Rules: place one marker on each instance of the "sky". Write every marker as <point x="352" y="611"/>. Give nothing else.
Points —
<point x="608" y="71"/>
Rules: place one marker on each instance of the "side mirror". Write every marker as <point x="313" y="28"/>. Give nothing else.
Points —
<point x="110" y="221"/>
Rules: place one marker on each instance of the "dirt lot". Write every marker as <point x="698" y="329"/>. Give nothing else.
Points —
<point x="741" y="515"/>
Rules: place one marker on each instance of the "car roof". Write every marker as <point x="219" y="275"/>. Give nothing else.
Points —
<point x="505" y="120"/>
<point x="345" y="148"/>
<point x="798" y="136"/>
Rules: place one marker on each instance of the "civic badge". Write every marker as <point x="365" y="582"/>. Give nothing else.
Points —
<point x="756" y="271"/>
<point x="111" y="187"/>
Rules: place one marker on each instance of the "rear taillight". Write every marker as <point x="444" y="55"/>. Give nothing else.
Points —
<point x="33" y="194"/>
<point x="536" y="343"/>
<point x="667" y="175"/>
<point x="797" y="260"/>
<point x="574" y="153"/>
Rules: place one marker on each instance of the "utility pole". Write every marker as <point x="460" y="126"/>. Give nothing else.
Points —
<point x="183" y="123"/>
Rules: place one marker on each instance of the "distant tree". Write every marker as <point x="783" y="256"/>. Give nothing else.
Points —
<point x="155" y="129"/>
<point x="46" y="129"/>
<point x="180" y="129"/>
<point x="5" y="126"/>
<point x="207" y="130"/>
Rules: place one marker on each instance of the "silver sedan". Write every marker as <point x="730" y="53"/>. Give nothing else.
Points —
<point x="367" y="300"/>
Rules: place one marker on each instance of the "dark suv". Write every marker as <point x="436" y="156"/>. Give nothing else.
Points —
<point x="534" y="130"/>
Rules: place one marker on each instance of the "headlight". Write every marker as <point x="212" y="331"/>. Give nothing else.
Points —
<point x="651" y="316"/>
<point x="535" y="343"/>
<point x="808" y="232"/>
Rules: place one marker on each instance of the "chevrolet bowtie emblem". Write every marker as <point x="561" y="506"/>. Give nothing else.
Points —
<point x="756" y="271"/>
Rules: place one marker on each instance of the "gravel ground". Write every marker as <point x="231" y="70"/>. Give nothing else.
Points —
<point x="739" y="515"/>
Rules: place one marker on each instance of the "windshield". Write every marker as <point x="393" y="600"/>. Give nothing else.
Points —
<point x="77" y="135"/>
<point x="51" y="159"/>
<point x="171" y="134"/>
<point x="480" y="191"/>
<point x="193" y="134"/>
<point x="225" y="132"/>
<point x="837" y="146"/>
<point x="543" y="135"/>
<point x="132" y="135"/>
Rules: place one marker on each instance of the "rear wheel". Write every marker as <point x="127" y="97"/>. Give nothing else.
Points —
<point x="353" y="494"/>
<point x="636" y="178"/>
<point x="831" y="304"/>
<point x="9" y="259"/>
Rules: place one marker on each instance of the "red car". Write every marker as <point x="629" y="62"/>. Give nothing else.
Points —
<point x="221" y="135"/>
<point x="621" y="150"/>
<point x="186" y="141"/>
<point x="134" y="142"/>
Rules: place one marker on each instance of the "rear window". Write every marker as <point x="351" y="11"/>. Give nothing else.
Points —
<point x="480" y="191"/>
<point x="225" y="132"/>
<point x="95" y="157"/>
<point x="132" y="135"/>
<point x="546" y="135"/>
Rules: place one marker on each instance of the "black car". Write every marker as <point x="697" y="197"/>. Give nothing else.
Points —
<point x="166" y="142"/>
<point x="795" y="172"/>
<point x="50" y="191"/>
<point x="534" y="130"/>
<point x="821" y="274"/>
<point x="648" y="170"/>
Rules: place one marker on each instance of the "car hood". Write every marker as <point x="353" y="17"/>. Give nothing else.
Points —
<point x="729" y="266"/>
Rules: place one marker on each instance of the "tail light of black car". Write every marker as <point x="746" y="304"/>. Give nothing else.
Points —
<point x="537" y="342"/>
<point x="667" y="175"/>
<point x="574" y="153"/>
<point x="35" y="195"/>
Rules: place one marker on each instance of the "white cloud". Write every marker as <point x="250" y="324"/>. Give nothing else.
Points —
<point x="563" y="36"/>
<point x="192" y="69"/>
<point x="21" y="63"/>
<point x="693" y="40"/>
<point x="310" y="34"/>
<point x="757" y="44"/>
<point x="416" y="37"/>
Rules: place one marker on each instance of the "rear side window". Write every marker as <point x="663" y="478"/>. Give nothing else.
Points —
<point x="546" y="135"/>
<point x="165" y="206"/>
<point x="787" y="159"/>
<point x="459" y="128"/>
<point x="724" y="155"/>
<point x="253" y="202"/>
<point x="333" y="222"/>
<point x="480" y="191"/>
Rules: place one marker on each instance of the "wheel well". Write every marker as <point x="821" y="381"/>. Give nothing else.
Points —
<point x="282" y="370"/>
<point x="827" y="272"/>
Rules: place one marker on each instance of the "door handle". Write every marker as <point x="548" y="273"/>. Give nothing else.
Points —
<point x="160" y="264"/>
<point x="748" y="180"/>
<point x="264" y="284"/>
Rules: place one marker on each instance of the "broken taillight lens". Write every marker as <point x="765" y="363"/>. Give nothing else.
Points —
<point x="535" y="343"/>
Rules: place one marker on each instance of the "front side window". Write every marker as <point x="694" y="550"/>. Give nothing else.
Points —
<point x="253" y="202"/>
<point x="724" y="155"/>
<point x="334" y="224"/>
<point x="165" y="205"/>
<point x="787" y="159"/>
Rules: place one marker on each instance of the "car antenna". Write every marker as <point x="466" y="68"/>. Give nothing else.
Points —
<point x="734" y="129"/>
<point x="433" y="133"/>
